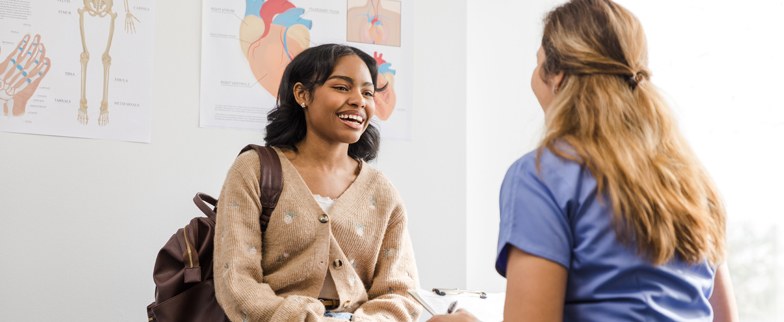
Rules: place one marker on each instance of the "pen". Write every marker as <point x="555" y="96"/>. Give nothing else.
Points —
<point x="451" y="307"/>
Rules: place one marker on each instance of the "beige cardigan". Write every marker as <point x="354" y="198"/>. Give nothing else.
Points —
<point x="364" y="243"/>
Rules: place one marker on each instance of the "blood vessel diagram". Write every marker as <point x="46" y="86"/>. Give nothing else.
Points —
<point x="100" y="8"/>
<point x="20" y="74"/>
<point x="271" y="35"/>
<point x="374" y="22"/>
<point x="386" y="99"/>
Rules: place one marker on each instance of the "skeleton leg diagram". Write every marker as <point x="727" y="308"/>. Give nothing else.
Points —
<point x="100" y="8"/>
<point x="20" y="74"/>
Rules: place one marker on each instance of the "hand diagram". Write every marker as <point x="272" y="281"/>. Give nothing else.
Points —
<point x="129" y="26"/>
<point x="21" y="73"/>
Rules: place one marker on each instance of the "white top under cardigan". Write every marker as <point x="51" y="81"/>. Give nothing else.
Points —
<point x="328" y="291"/>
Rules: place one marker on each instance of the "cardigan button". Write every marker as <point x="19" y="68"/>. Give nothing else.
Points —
<point x="347" y="304"/>
<point x="337" y="264"/>
<point x="324" y="219"/>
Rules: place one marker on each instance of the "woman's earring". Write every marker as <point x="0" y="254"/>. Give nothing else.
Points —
<point x="554" y="89"/>
<point x="302" y="104"/>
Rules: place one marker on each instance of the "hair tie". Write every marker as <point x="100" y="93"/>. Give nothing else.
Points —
<point x="635" y="80"/>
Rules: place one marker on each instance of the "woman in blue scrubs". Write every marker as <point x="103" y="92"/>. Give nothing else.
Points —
<point x="612" y="218"/>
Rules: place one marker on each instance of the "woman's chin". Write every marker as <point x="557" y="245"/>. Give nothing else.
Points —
<point x="351" y="138"/>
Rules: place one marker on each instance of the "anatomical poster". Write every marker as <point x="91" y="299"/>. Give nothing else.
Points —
<point x="247" y="44"/>
<point x="77" y="68"/>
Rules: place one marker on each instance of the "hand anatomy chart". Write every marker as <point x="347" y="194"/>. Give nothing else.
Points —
<point x="79" y="68"/>
<point x="247" y="44"/>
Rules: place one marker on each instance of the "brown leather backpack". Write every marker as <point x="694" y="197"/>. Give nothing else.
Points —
<point x="184" y="289"/>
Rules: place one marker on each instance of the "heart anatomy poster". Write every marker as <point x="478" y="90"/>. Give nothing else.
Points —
<point x="77" y="68"/>
<point x="247" y="44"/>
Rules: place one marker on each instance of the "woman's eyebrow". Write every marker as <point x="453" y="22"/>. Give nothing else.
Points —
<point x="345" y="78"/>
<point x="349" y="79"/>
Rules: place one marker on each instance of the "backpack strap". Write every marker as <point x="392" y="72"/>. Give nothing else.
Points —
<point x="270" y="182"/>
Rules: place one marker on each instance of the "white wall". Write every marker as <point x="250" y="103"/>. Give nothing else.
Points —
<point x="82" y="220"/>
<point x="430" y="171"/>
<point x="504" y="118"/>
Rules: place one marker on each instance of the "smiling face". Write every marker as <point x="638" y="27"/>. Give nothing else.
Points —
<point x="340" y="110"/>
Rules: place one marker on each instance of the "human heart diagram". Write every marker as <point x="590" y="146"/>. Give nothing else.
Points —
<point x="386" y="99"/>
<point x="271" y="35"/>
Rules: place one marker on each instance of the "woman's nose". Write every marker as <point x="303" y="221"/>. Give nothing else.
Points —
<point x="357" y="99"/>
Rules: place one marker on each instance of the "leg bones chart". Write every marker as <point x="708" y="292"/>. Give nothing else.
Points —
<point x="100" y="8"/>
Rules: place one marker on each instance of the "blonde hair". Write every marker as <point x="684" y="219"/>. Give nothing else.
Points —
<point x="620" y="128"/>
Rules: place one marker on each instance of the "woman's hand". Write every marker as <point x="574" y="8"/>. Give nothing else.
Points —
<point x="459" y="316"/>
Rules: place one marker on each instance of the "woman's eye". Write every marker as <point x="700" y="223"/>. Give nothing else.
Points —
<point x="341" y="88"/>
<point x="370" y="94"/>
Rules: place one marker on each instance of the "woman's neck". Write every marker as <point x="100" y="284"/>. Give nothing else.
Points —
<point x="313" y="152"/>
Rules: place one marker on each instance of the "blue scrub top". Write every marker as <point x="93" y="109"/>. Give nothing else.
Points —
<point x="556" y="215"/>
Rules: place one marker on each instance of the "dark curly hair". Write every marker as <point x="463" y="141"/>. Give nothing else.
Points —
<point x="286" y="122"/>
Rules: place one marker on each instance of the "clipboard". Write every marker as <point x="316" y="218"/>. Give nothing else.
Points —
<point x="486" y="307"/>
